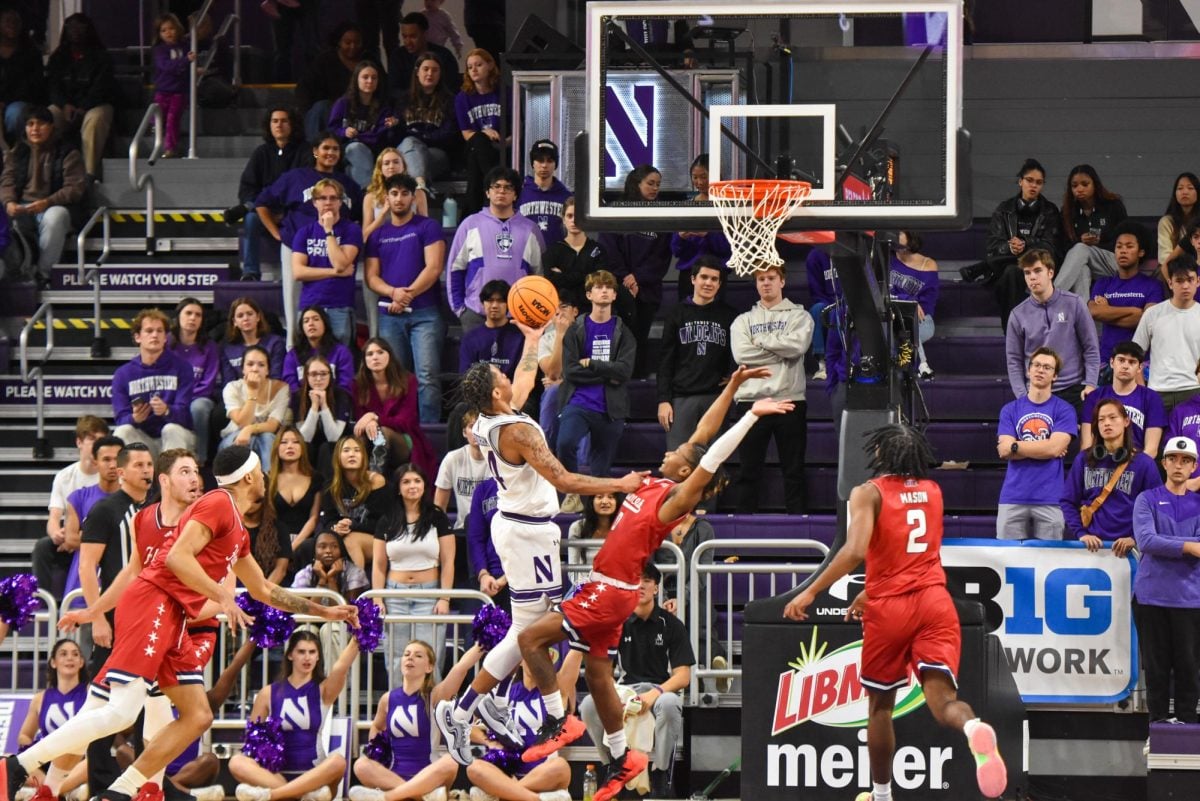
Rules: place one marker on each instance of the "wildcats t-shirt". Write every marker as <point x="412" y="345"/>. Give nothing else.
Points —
<point x="1035" y="481"/>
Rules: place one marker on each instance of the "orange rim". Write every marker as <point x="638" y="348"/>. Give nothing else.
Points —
<point x="769" y="198"/>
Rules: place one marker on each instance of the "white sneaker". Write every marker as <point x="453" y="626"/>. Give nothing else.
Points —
<point x="480" y="795"/>
<point x="925" y="371"/>
<point x="555" y="795"/>
<point x="24" y="794"/>
<point x="360" y="793"/>
<point x="436" y="794"/>
<point x="319" y="794"/>
<point x="457" y="735"/>
<point x="213" y="792"/>
<point x="724" y="683"/>
<point x="497" y="718"/>
<point x="820" y="375"/>
<point x="571" y="505"/>
<point x="251" y="792"/>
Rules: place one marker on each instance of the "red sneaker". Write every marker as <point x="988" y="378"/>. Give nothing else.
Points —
<point x="554" y="734"/>
<point x="620" y="773"/>
<point x="149" y="792"/>
<point x="990" y="771"/>
<point x="44" y="793"/>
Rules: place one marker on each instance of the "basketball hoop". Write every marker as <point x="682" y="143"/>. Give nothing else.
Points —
<point x="751" y="213"/>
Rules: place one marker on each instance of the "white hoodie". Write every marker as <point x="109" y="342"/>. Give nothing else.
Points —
<point x="777" y="338"/>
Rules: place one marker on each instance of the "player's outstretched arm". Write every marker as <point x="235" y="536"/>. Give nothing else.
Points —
<point x="684" y="498"/>
<point x="710" y="424"/>
<point x="108" y="599"/>
<point x="271" y="593"/>
<point x="525" y="377"/>
<point x="532" y="447"/>
<point x="863" y="509"/>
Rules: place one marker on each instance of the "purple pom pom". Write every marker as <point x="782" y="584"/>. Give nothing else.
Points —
<point x="264" y="743"/>
<point x="489" y="627"/>
<point x="369" y="631"/>
<point x="18" y="599"/>
<point x="271" y="627"/>
<point x="379" y="748"/>
<point x="507" y="761"/>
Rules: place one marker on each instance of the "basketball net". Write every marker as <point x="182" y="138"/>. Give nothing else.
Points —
<point x="751" y="213"/>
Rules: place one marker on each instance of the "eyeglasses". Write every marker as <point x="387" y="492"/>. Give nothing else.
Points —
<point x="503" y="187"/>
<point x="1042" y="367"/>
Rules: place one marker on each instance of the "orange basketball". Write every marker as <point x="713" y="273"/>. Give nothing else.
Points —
<point x="533" y="301"/>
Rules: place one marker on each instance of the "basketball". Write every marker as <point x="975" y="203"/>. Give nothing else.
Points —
<point x="533" y="301"/>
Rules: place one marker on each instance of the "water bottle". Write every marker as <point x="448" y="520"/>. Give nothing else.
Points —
<point x="450" y="213"/>
<point x="589" y="783"/>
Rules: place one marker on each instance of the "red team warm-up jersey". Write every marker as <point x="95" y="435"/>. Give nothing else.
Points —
<point x="904" y="554"/>
<point x="230" y="542"/>
<point x="636" y="533"/>
<point x="150" y="533"/>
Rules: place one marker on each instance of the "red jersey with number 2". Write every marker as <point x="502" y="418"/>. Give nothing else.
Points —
<point x="905" y="550"/>
<point x="636" y="533"/>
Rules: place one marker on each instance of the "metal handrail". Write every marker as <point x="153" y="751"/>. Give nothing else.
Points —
<point x="194" y="79"/>
<point x="41" y="445"/>
<point x="34" y="646"/>
<point x="100" y="349"/>
<point x="700" y="572"/>
<point x="145" y="182"/>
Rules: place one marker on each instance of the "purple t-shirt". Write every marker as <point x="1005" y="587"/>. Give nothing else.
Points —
<point x="499" y="346"/>
<point x="401" y="253"/>
<point x="1133" y="292"/>
<point x="332" y="293"/>
<point x="598" y="346"/>
<point x="1185" y="422"/>
<point x="83" y="499"/>
<point x="1035" y="481"/>
<point x="1144" y="405"/>
<point x="909" y="284"/>
<point x="478" y="111"/>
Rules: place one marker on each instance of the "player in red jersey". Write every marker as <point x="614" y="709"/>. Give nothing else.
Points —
<point x="153" y="645"/>
<point x="179" y="486"/>
<point x="909" y="620"/>
<point x="592" y="619"/>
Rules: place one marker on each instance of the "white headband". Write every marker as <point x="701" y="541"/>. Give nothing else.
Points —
<point x="237" y="475"/>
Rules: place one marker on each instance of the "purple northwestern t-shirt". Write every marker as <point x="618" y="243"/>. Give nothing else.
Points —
<point x="332" y="293"/>
<point x="1185" y="422"/>
<point x="597" y="347"/>
<point x="401" y="253"/>
<point x="1035" y="481"/>
<point x="1133" y="292"/>
<point x="1144" y="405"/>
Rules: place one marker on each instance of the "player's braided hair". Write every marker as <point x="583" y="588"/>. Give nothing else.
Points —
<point x="899" y="450"/>
<point x="720" y="479"/>
<point x="476" y="387"/>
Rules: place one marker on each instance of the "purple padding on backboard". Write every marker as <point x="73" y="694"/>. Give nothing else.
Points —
<point x="1175" y="738"/>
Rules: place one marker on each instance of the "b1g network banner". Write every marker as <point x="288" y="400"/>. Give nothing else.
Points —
<point x="1062" y="613"/>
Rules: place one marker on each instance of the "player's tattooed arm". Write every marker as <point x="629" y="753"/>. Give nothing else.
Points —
<point x="532" y="447"/>
<point x="525" y="377"/>
<point x="291" y="602"/>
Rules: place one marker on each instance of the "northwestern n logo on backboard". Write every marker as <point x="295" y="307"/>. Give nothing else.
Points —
<point x="629" y="128"/>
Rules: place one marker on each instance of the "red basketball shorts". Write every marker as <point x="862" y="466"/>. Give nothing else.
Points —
<point x="916" y="631"/>
<point x="594" y="617"/>
<point x="151" y="642"/>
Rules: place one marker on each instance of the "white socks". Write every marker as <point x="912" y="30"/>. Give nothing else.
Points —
<point x="616" y="743"/>
<point x="129" y="782"/>
<point x="554" y="705"/>
<point x="969" y="727"/>
<point x="881" y="792"/>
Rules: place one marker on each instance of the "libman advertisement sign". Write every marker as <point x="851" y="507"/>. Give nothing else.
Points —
<point x="813" y="743"/>
<point x="1062" y="614"/>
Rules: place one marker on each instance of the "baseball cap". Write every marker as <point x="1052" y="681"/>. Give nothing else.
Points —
<point x="1180" y="445"/>
<point x="543" y="149"/>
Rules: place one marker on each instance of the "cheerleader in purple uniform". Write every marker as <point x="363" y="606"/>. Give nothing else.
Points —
<point x="301" y="699"/>
<point x="64" y="696"/>
<point x="544" y="780"/>
<point x="404" y="715"/>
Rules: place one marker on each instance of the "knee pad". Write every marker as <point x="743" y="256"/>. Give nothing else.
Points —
<point x="125" y="703"/>
<point x="158" y="716"/>
<point x="504" y="658"/>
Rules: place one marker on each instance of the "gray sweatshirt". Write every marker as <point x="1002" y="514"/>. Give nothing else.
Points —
<point x="1061" y="323"/>
<point x="777" y="338"/>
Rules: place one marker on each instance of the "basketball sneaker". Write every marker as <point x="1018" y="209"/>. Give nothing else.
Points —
<point x="319" y="794"/>
<point x="214" y="792"/>
<point x="478" y="794"/>
<point x="990" y="771"/>
<point x="554" y="734"/>
<point x="620" y="772"/>
<point x="13" y="776"/>
<point x="252" y="792"/>
<point x="496" y="716"/>
<point x="457" y="735"/>
<point x="360" y="793"/>
<point x="555" y="795"/>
